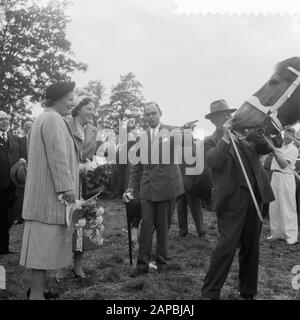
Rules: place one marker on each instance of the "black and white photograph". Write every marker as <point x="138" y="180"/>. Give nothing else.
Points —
<point x="149" y="152"/>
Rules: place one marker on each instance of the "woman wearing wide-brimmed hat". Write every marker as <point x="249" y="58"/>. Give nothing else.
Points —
<point x="52" y="170"/>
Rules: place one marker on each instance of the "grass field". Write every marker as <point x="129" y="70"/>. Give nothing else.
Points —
<point x="108" y="268"/>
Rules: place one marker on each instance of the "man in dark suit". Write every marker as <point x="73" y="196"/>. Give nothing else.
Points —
<point x="15" y="215"/>
<point x="159" y="185"/>
<point x="189" y="200"/>
<point x="238" y="222"/>
<point x="9" y="155"/>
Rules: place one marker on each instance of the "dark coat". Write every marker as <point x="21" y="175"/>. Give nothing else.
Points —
<point x="157" y="182"/>
<point x="227" y="173"/>
<point x="200" y="185"/>
<point x="10" y="153"/>
<point x="23" y="147"/>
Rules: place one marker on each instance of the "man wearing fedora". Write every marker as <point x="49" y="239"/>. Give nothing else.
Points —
<point x="238" y="222"/>
<point x="9" y="155"/>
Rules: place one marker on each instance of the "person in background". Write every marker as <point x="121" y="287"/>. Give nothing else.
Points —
<point x="297" y="168"/>
<point x="16" y="211"/>
<point x="23" y="140"/>
<point x="188" y="200"/>
<point x="52" y="173"/>
<point x="266" y="161"/>
<point x="283" y="211"/>
<point x="10" y="153"/>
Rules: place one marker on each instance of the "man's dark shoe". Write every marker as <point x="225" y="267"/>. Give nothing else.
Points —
<point x="7" y="252"/>
<point x="183" y="233"/>
<point x="138" y="272"/>
<point x="207" y="298"/>
<point x="244" y="296"/>
<point x="202" y="234"/>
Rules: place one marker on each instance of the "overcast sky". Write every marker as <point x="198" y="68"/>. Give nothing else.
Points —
<point x="184" y="62"/>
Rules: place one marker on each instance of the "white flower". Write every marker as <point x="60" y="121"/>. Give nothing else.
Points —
<point x="99" y="220"/>
<point x="100" y="211"/>
<point x="88" y="233"/>
<point x="81" y="223"/>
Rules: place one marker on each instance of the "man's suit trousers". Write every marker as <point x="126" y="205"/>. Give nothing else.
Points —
<point x="194" y="203"/>
<point x="6" y="197"/>
<point x="155" y="215"/>
<point x="238" y="224"/>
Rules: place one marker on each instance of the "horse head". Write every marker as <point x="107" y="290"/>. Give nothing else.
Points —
<point x="276" y="105"/>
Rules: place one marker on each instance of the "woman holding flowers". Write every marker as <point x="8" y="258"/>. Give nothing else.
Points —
<point x="81" y="124"/>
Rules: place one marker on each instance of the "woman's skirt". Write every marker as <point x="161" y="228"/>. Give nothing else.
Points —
<point x="46" y="246"/>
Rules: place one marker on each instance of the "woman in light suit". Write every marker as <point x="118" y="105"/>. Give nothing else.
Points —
<point x="85" y="138"/>
<point x="52" y="171"/>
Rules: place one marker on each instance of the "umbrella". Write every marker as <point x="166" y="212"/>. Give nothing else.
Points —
<point x="133" y="211"/>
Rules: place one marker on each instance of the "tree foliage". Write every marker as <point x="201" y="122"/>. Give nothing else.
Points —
<point x="34" y="52"/>
<point x="126" y="104"/>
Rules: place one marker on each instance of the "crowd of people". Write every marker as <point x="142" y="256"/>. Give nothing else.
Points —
<point x="47" y="165"/>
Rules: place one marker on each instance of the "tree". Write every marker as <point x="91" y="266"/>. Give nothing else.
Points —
<point x="34" y="52"/>
<point x="96" y="91"/>
<point x="126" y="104"/>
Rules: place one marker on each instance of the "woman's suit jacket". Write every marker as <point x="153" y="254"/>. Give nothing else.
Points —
<point x="85" y="148"/>
<point x="52" y="169"/>
<point x="88" y="147"/>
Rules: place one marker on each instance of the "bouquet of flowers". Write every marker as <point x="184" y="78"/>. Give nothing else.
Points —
<point x="99" y="177"/>
<point x="87" y="219"/>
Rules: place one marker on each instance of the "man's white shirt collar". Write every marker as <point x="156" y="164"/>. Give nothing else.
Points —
<point x="156" y="130"/>
<point x="3" y="135"/>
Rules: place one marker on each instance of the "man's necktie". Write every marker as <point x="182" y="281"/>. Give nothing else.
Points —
<point x="153" y="137"/>
<point x="3" y="136"/>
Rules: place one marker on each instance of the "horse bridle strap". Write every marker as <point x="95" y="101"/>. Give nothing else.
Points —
<point x="272" y="111"/>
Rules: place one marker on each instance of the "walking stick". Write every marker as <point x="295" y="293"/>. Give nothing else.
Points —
<point x="129" y="235"/>
<point x="245" y="175"/>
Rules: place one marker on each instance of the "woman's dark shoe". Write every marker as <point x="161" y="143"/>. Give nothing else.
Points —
<point x="76" y="275"/>
<point x="49" y="295"/>
<point x="138" y="272"/>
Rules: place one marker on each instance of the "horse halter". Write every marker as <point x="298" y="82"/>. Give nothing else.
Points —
<point x="272" y="111"/>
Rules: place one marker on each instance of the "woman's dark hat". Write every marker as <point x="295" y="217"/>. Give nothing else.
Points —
<point x="18" y="173"/>
<point x="59" y="89"/>
<point x="219" y="106"/>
